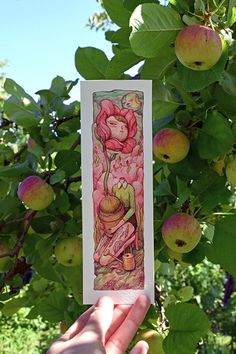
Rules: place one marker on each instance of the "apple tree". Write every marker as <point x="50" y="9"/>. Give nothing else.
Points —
<point x="188" y="50"/>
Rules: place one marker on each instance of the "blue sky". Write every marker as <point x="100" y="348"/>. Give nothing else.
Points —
<point x="39" y="39"/>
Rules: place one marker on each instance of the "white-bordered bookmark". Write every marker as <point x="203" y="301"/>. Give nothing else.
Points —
<point x="117" y="190"/>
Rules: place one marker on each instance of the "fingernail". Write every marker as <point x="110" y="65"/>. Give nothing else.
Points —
<point x="141" y="348"/>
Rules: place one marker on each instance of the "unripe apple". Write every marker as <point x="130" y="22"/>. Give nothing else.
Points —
<point x="170" y="145"/>
<point x="181" y="232"/>
<point x="198" y="47"/>
<point x="5" y="262"/>
<point x="154" y="340"/>
<point x="35" y="193"/>
<point x="231" y="171"/>
<point x="68" y="251"/>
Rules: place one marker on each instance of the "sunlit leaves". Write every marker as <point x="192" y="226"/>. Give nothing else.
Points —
<point x="153" y="27"/>
<point x="215" y="137"/>
<point x="188" y="323"/>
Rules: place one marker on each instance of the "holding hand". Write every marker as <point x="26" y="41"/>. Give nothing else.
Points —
<point x="104" y="329"/>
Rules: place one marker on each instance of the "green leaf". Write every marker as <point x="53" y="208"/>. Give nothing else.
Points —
<point x="17" y="170"/>
<point x="117" y="12"/>
<point x="20" y="107"/>
<point x="14" y="305"/>
<point x="224" y="243"/>
<point x="41" y="224"/>
<point x="163" y="103"/>
<point x="211" y="190"/>
<point x="121" y="36"/>
<point x="183" y="192"/>
<point x="188" y="323"/>
<point x="215" y="137"/>
<point x="155" y="68"/>
<point x="191" y="167"/>
<point x="193" y="80"/>
<point x="231" y="15"/>
<point x="199" y="7"/>
<point x="17" y="91"/>
<point x="73" y="279"/>
<point x="121" y="62"/>
<point x="52" y="307"/>
<point x="19" y="112"/>
<point x="72" y="227"/>
<point x="153" y="27"/>
<point x="131" y="4"/>
<point x="91" y="63"/>
<point x="57" y="177"/>
<point x="225" y="102"/>
<point x="61" y="87"/>
<point x="4" y="188"/>
<point x="62" y="201"/>
<point x="180" y="5"/>
<point x="228" y="80"/>
<point x="196" y="256"/>
<point x="68" y="161"/>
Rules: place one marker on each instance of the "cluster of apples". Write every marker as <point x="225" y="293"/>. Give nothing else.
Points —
<point x="181" y="232"/>
<point x="37" y="194"/>
<point x="198" y="48"/>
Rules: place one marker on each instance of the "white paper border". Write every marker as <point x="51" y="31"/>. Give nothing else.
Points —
<point x="90" y="296"/>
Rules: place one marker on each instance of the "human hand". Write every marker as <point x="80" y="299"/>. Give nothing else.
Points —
<point x="104" y="329"/>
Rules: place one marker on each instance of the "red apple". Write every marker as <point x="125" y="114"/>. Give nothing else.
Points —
<point x="170" y="145"/>
<point x="181" y="232"/>
<point x="35" y="193"/>
<point x="198" y="47"/>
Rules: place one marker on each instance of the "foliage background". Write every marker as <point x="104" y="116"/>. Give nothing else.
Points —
<point x="202" y="105"/>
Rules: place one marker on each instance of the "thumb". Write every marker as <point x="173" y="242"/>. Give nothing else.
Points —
<point x="140" y="348"/>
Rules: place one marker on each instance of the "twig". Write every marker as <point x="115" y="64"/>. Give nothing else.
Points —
<point x="159" y="299"/>
<point x="58" y="122"/>
<point x="68" y="181"/>
<point x="15" y="250"/>
<point x="76" y="143"/>
<point x="5" y="123"/>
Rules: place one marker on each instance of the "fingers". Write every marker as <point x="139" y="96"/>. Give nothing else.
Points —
<point x="119" y="315"/>
<point x="99" y="320"/>
<point x="120" y="340"/>
<point x="140" y="348"/>
<point x="77" y="326"/>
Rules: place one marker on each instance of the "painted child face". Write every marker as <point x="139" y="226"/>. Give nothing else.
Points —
<point x="118" y="128"/>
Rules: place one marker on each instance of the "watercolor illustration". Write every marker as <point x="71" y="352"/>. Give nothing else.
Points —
<point x="118" y="193"/>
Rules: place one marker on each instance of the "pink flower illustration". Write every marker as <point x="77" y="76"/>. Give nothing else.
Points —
<point x="116" y="127"/>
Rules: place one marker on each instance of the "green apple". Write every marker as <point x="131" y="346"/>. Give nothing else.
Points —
<point x="181" y="232"/>
<point x="198" y="47"/>
<point x="68" y="251"/>
<point x="154" y="340"/>
<point x="35" y="193"/>
<point x="230" y="171"/>
<point x="5" y="262"/>
<point x="170" y="145"/>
